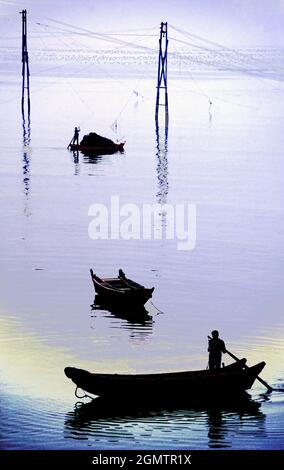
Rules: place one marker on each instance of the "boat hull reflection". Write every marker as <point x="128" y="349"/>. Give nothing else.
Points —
<point x="135" y="315"/>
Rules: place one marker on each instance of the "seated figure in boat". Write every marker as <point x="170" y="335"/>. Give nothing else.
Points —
<point x="216" y="347"/>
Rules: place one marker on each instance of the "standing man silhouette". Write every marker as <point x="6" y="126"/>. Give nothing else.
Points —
<point x="216" y="347"/>
<point x="75" y="139"/>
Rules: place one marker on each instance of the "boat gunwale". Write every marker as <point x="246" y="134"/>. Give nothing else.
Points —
<point x="83" y="148"/>
<point x="103" y="282"/>
<point x="226" y="371"/>
<point x="122" y="290"/>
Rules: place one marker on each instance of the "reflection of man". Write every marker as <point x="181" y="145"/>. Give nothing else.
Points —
<point x="216" y="430"/>
<point x="75" y="139"/>
<point x="216" y="347"/>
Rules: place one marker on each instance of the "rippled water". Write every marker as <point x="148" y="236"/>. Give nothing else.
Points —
<point x="228" y="160"/>
<point x="28" y="423"/>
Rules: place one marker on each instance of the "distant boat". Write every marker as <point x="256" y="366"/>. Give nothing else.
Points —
<point x="121" y="291"/>
<point x="95" y="144"/>
<point x="230" y="380"/>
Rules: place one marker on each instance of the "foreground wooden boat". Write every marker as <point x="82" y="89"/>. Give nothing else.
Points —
<point x="121" y="290"/>
<point x="233" y="379"/>
<point x="94" y="144"/>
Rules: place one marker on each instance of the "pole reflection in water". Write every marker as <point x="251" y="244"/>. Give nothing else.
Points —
<point x="162" y="172"/>
<point x="26" y="123"/>
<point x="162" y="165"/>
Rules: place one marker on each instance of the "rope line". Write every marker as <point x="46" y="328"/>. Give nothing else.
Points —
<point x="83" y="396"/>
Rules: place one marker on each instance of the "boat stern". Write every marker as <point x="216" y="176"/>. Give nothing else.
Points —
<point x="252" y="374"/>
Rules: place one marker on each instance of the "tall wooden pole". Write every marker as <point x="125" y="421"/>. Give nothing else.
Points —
<point x="162" y="82"/>
<point x="25" y="63"/>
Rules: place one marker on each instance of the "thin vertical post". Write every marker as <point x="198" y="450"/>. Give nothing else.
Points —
<point x="25" y="62"/>
<point x="162" y="82"/>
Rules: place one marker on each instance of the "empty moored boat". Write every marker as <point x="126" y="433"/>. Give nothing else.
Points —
<point x="233" y="379"/>
<point x="121" y="290"/>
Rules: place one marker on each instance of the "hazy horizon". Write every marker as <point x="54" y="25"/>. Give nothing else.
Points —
<point x="235" y="23"/>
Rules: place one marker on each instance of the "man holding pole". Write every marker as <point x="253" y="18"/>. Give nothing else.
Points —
<point x="75" y="138"/>
<point x="216" y="347"/>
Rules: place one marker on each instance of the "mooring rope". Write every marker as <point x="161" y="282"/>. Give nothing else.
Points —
<point x="158" y="310"/>
<point x="81" y="397"/>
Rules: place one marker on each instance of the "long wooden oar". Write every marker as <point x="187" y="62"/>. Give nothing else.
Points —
<point x="270" y="389"/>
<point x="70" y="143"/>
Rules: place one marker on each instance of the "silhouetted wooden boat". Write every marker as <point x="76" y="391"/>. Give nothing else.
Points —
<point x="98" y="150"/>
<point x="121" y="290"/>
<point x="233" y="379"/>
<point x="95" y="144"/>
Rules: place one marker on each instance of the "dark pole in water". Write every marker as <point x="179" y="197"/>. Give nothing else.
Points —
<point x="162" y="82"/>
<point x="25" y="62"/>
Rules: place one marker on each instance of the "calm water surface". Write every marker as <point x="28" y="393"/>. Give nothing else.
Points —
<point x="228" y="160"/>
